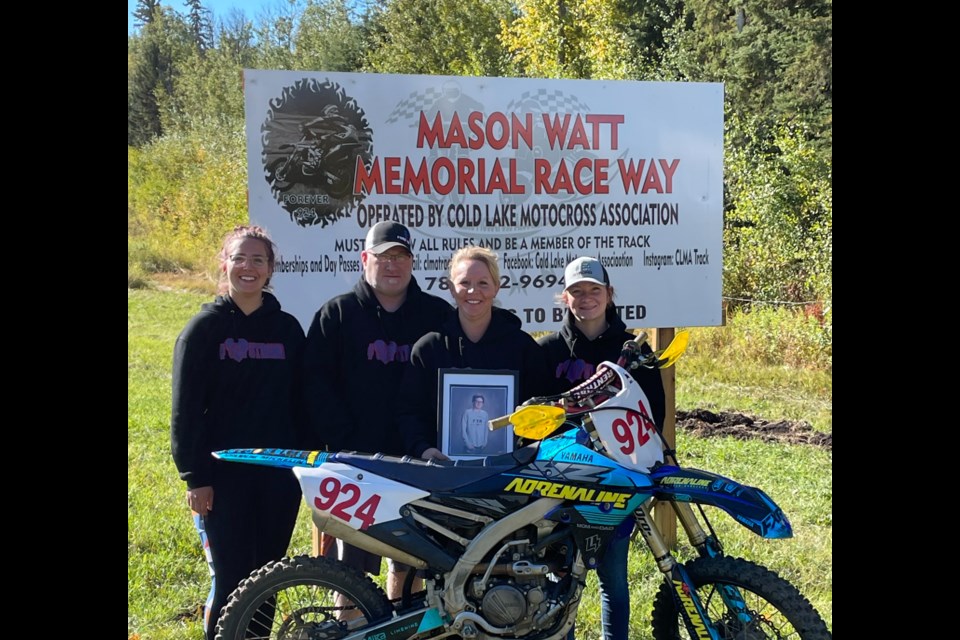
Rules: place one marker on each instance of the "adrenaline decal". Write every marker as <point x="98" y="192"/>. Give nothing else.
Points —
<point x="546" y="489"/>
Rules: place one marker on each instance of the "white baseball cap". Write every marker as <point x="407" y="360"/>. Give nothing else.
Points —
<point x="585" y="269"/>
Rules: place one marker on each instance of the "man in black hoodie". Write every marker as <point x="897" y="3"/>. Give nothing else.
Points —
<point x="357" y="347"/>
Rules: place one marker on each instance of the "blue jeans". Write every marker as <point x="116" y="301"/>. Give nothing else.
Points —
<point x="614" y="591"/>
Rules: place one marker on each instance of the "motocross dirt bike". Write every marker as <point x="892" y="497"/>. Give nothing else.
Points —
<point x="504" y="543"/>
<point x="312" y="163"/>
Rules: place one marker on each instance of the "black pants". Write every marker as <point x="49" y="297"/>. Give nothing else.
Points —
<point x="253" y="518"/>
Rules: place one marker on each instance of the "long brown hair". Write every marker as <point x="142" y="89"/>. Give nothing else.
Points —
<point x="239" y="233"/>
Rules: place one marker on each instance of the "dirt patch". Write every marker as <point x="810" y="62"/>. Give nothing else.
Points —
<point x="707" y="424"/>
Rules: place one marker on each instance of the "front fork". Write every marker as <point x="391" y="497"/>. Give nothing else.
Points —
<point x="708" y="546"/>
<point x="684" y="592"/>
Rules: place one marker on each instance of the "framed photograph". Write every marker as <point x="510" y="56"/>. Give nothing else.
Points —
<point x="468" y="399"/>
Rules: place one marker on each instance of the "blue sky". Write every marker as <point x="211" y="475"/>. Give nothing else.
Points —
<point x="220" y="8"/>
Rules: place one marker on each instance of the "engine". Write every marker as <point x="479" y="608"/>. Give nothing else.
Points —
<point x="519" y="575"/>
<point x="524" y="595"/>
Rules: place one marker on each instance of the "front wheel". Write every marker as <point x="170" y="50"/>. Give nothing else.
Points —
<point x="302" y="597"/>
<point x="771" y="607"/>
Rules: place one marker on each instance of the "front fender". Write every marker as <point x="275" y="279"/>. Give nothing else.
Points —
<point x="748" y="505"/>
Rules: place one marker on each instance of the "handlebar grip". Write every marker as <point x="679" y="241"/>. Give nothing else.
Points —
<point x="498" y="423"/>
<point x="631" y="349"/>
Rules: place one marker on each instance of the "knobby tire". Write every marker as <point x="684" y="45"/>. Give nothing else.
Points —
<point x="779" y="609"/>
<point x="296" y="595"/>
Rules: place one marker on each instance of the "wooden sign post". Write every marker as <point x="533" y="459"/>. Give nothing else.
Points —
<point x="663" y="515"/>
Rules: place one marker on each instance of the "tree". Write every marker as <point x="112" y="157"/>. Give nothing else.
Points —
<point x="328" y="39"/>
<point x="449" y="37"/>
<point x="199" y="20"/>
<point x="143" y="113"/>
<point x="154" y="58"/>
<point x="570" y="39"/>
<point x="778" y="221"/>
<point x="775" y="58"/>
<point x="144" y="11"/>
<point x="274" y="33"/>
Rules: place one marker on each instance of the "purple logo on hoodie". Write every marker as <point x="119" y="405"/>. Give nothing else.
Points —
<point x="575" y="370"/>
<point x="241" y="349"/>
<point x="387" y="352"/>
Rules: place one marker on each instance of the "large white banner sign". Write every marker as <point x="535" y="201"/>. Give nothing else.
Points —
<point x="540" y="171"/>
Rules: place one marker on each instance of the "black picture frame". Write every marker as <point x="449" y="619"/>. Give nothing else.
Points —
<point x="458" y="420"/>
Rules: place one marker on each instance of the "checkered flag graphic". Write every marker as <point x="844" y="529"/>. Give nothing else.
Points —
<point x="550" y="101"/>
<point x="414" y="104"/>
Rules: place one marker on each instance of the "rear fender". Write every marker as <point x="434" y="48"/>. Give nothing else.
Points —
<point x="748" y="505"/>
<point x="282" y="458"/>
<point x="344" y="494"/>
<point x="337" y="493"/>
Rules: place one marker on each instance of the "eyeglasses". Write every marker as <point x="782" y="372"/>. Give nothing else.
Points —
<point x="393" y="257"/>
<point x="257" y="261"/>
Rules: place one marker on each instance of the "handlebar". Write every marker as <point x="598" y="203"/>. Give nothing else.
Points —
<point x="498" y="423"/>
<point x="539" y="416"/>
<point x="631" y="350"/>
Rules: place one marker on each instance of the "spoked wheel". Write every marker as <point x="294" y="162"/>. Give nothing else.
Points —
<point x="771" y="607"/>
<point x="302" y="598"/>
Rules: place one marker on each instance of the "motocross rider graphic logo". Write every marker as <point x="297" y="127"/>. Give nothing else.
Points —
<point x="312" y="137"/>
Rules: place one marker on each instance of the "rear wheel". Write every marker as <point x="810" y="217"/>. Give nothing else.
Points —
<point x="302" y="597"/>
<point x="772" y="607"/>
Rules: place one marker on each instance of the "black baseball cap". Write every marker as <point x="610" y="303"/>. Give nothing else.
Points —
<point x="384" y="235"/>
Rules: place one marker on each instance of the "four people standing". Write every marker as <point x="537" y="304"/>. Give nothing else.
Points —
<point x="236" y="384"/>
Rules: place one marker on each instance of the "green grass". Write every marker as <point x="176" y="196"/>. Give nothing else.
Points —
<point x="167" y="575"/>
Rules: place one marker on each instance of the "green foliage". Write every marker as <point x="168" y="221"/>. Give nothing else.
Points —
<point x="569" y="39"/>
<point x="455" y="37"/>
<point x="327" y="39"/>
<point x="154" y="59"/>
<point x="184" y="192"/>
<point x="208" y="93"/>
<point x="775" y="59"/>
<point x="778" y="223"/>
<point x="771" y="362"/>
<point x="167" y="574"/>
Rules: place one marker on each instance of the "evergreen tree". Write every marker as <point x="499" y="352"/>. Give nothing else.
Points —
<point x="154" y="58"/>
<point x="200" y="25"/>
<point x="143" y="113"/>
<point x="143" y="13"/>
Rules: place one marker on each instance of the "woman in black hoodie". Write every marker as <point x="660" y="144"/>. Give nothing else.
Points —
<point x="478" y="336"/>
<point x="236" y="367"/>
<point x="591" y="333"/>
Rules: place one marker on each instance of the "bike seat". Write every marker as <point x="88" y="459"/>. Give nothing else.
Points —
<point x="436" y="475"/>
